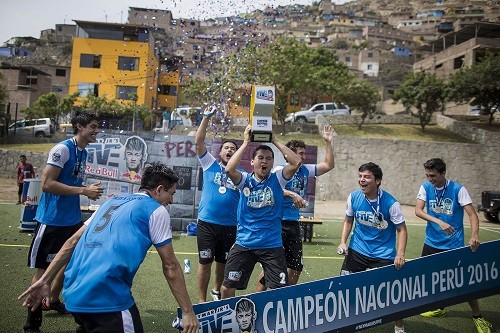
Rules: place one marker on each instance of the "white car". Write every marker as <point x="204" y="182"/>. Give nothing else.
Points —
<point x="325" y="109"/>
<point x="43" y="127"/>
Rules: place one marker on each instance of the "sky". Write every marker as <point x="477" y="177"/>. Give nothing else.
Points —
<point x="29" y="17"/>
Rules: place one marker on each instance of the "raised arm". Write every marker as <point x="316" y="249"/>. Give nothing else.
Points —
<point x="329" y="162"/>
<point x="293" y="160"/>
<point x="34" y="295"/>
<point x="201" y="133"/>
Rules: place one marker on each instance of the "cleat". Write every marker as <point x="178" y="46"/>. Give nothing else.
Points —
<point x="215" y="295"/>
<point x="482" y="325"/>
<point x="434" y="313"/>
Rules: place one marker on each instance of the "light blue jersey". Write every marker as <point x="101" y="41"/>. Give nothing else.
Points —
<point x="448" y="207"/>
<point x="260" y="210"/>
<point x="374" y="237"/>
<point x="100" y="273"/>
<point x="219" y="197"/>
<point x="298" y="185"/>
<point x="63" y="210"/>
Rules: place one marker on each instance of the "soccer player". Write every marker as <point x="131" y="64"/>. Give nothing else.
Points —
<point x="258" y="238"/>
<point x="445" y="201"/>
<point x="216" y="212"/>
<point x="58" y="213"/>
<point x="295" y="191"/>
<point x="379" y="218"/>
<point x="102" y="262"/>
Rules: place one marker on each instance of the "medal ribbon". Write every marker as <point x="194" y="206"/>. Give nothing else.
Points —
<point x="440" y="198"/>
<point x="376" y="211"/>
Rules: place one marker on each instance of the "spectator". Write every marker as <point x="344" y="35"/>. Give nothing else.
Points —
<point x="24" y="170"/>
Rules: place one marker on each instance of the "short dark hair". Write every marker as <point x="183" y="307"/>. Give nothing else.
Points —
<point x="22" y="156"/>
<point x="373" y="168"/>
<point x="262" y="147"/>
<point x="226" y="141"/>
<point x="82" y="118"/>
<point x="435" y="164"/>
<point x="295" y="144"/>
<point x="134" y="143"/>
<point x="244" y="304"/>
<point x="157" y="174"/>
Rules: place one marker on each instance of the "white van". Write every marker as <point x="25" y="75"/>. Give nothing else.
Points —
<point x="325" y="109"/>
<point x="43" y="127"/>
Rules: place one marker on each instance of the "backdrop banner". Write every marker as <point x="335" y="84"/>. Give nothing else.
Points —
<point x="362" y="300"/>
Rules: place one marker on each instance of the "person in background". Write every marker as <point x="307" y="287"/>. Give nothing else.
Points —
<point x="217" y="211"/>
<point x="58" y="214"/>
<point x="295" y="192"/>
<point x="166" y="120"/>
<point x="24" y="170"/>
<point x="102" y="264"/>
<point x="258" y="237"/>
<point x="379" y="238"/>
<point x="444" y="202"/>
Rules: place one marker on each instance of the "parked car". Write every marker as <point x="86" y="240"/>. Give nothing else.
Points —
<point x="490" y="205"/>
<point x="325" y="109"/>
<point x="43" y="127"/>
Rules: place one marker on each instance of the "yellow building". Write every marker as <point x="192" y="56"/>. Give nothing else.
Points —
<point x="116" y="61"/>
<point x="168" y="84"/>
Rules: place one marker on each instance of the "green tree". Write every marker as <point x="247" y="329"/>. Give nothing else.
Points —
<point x="423" y="92"/>
<point x="478" y="85"/>
<point x="51" y="106"/>
<point x="4" y="116"/>
<point x="362" y="96"/>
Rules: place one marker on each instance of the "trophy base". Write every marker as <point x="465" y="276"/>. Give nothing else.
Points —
<point x="261" y="136"/>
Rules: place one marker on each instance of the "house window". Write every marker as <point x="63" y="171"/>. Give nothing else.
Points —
<point x="128" y="63"/>
<point x="347" y="59"/>
<point x="196" y="57"/>
<point x="90" y="60"/>
<point x="126" y="92"/>
<point x="458" y="62"/>
<point x="88" y="89"/>
<point x="369" y="67"/>
<point x="294" y="99"/>
<point x="196" y="47"/>
<point x="164" y="89"/>
<point x="370" y="54"/>
<point x="56" y="88"/>
<point x="60" y="72"/>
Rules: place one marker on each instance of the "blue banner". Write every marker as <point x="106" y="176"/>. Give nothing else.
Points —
<point x="362" y="300"/>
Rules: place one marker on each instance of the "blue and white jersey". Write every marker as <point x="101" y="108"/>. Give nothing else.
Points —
<point x="374" y="237"/>
<point x="446" y="204"/>
<point x="63" y="210"/>
<point x="298" y="185"/>
<point x="117" y="237"/>
<point x="219" y="196"/>
<point x="260" y="210"/>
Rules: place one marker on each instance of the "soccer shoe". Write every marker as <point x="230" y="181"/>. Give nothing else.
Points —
<point x="434" y="313"/>
<point x="399" y="329"/>
<point x="30" y="330"/>
<point x="482" y="325"/>
<point x="57" y="306"/>
<point x="215" y="295"/>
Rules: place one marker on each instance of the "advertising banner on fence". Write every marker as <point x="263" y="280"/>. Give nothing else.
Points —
<point x="362" y="300"/>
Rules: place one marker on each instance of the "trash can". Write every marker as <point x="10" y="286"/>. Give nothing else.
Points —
<point x="32" y="190"/>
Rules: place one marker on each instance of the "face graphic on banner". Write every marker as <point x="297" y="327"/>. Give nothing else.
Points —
<point x="135" y="156"/>
<point x="245" y="315"/>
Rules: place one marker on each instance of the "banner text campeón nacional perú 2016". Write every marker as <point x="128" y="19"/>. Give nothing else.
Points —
<point x="362" y="300"/>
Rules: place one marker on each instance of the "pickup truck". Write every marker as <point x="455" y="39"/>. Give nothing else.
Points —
<point x="325" y="109"/>
<point x="490" y="205"/>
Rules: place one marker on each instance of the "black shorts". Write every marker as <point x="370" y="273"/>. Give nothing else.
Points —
<point x="111" y="322"/>
<point x="47" y="241"/>
<point x="428" y="250"/>
<point x="214" y="242"/>
<point x="241" y="261"/>
<point x="356" y="262"/>
<point x="292" y="242"/>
